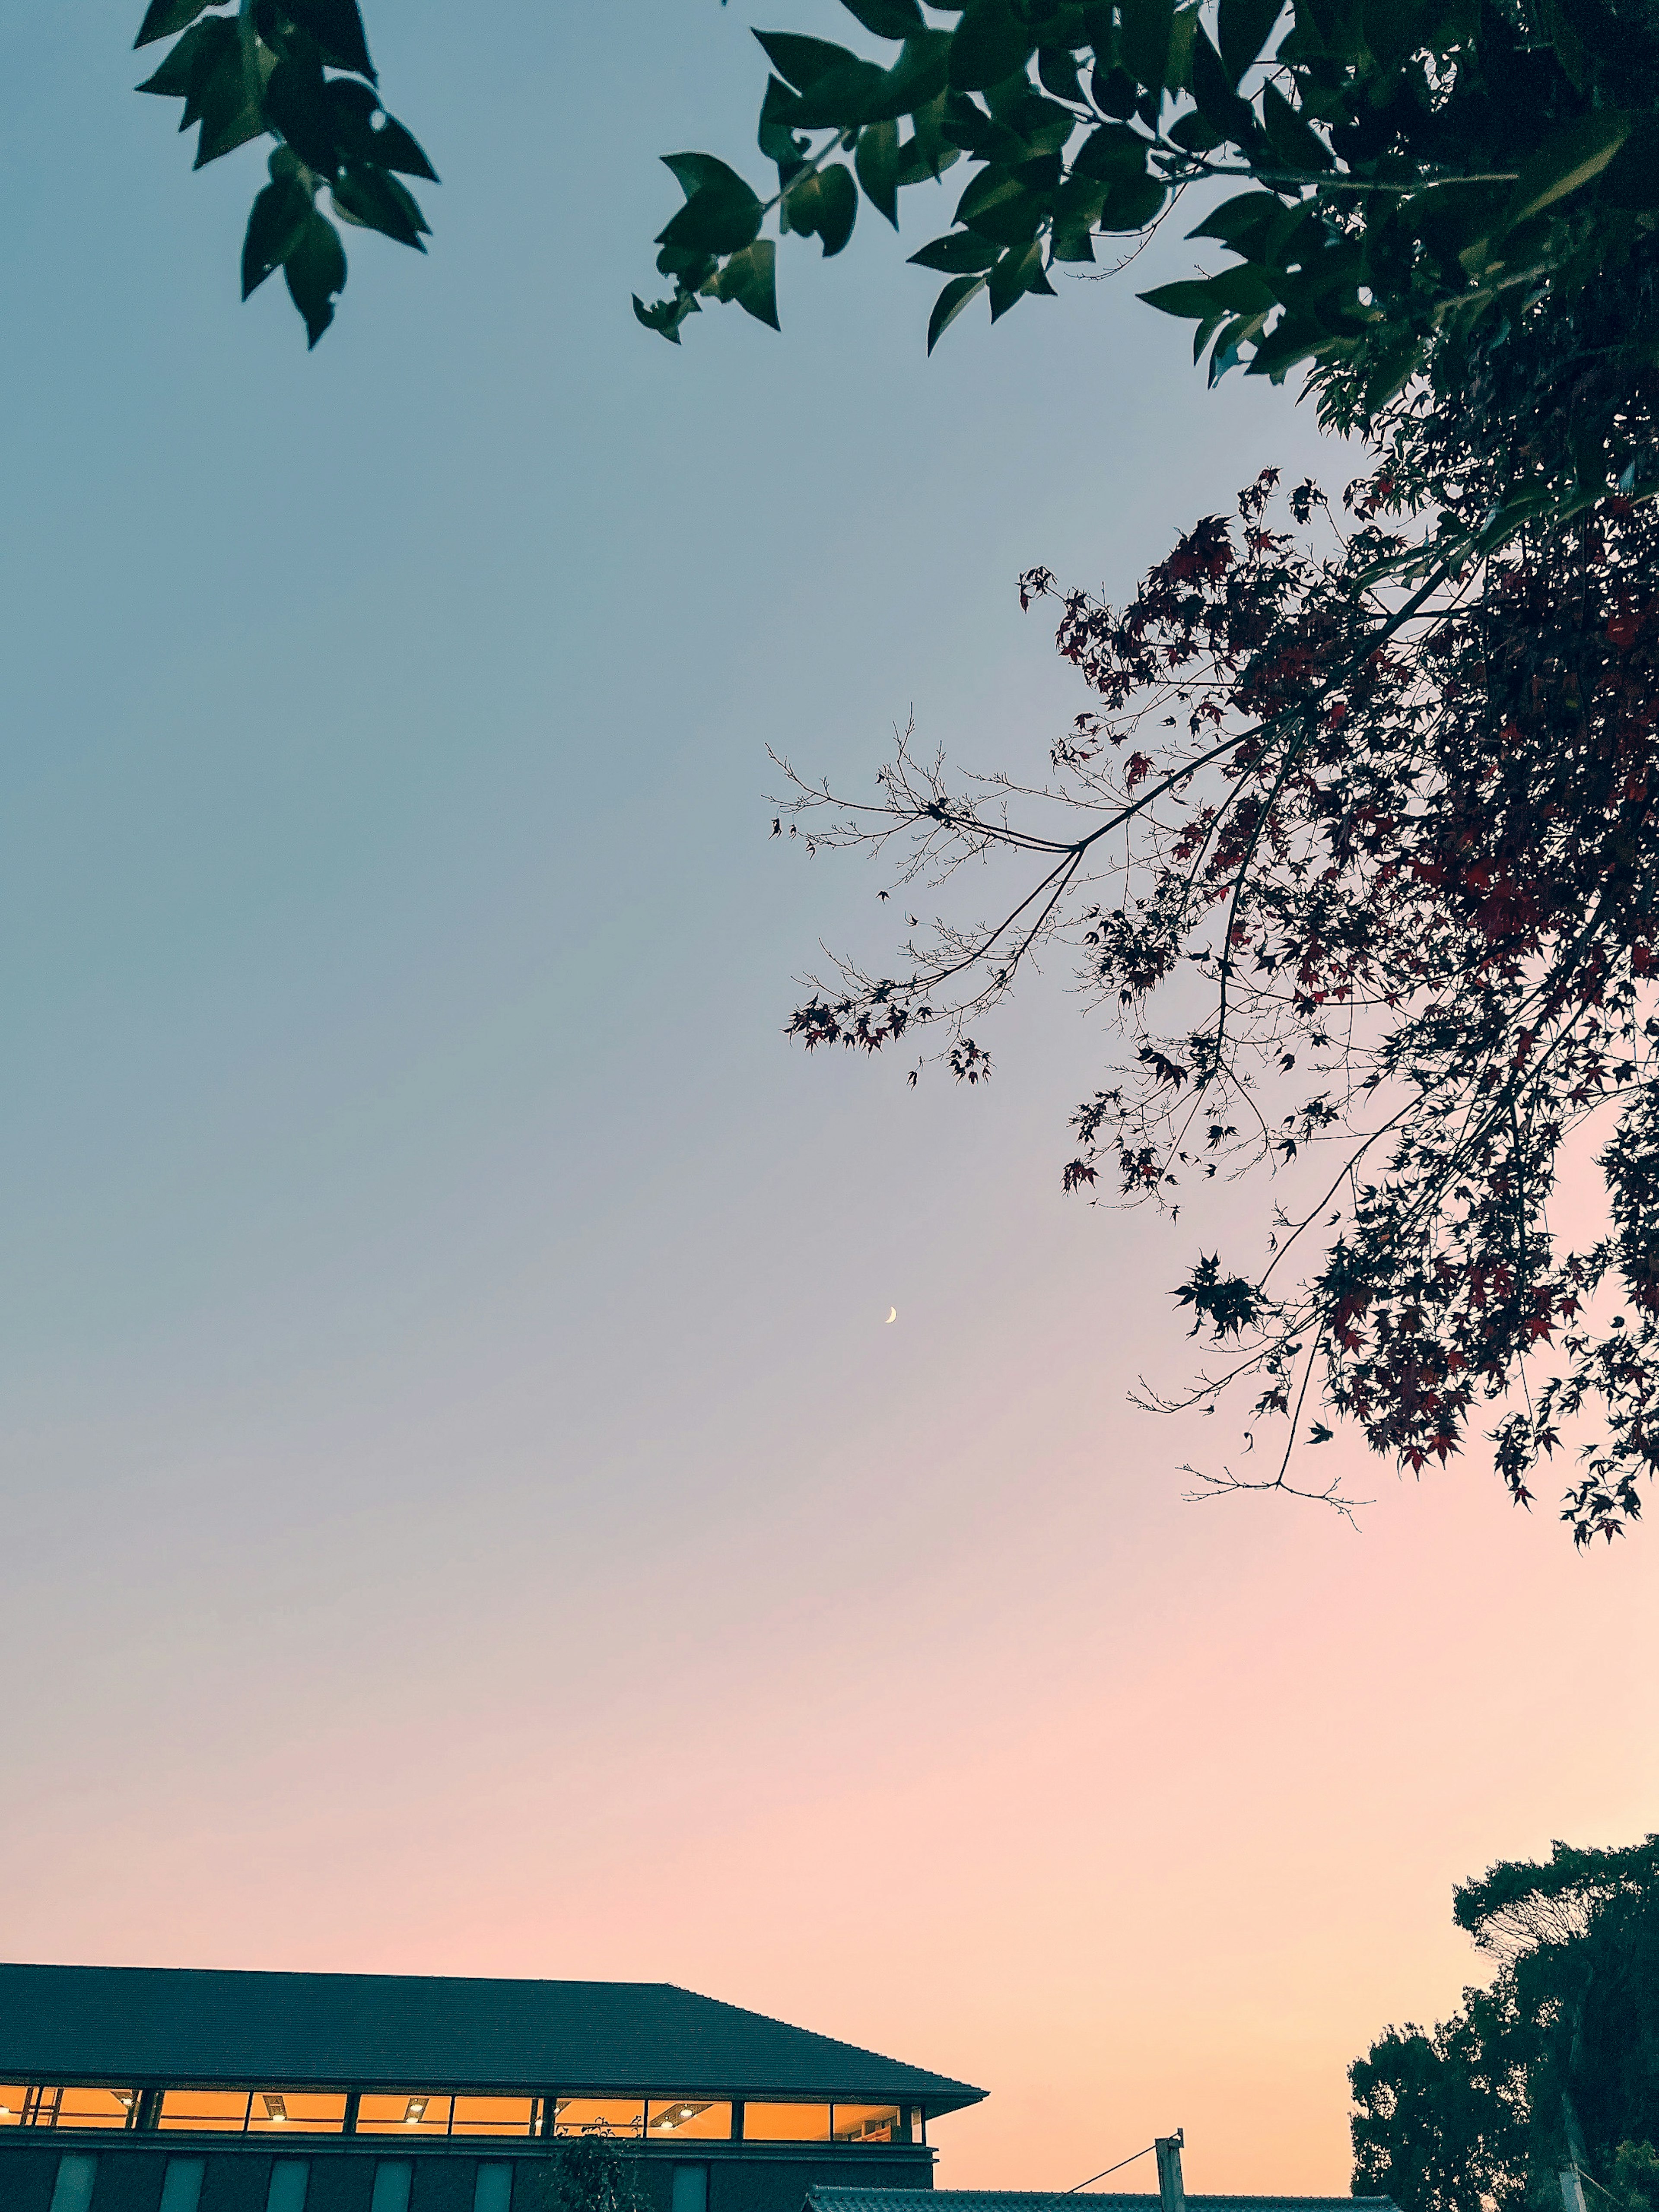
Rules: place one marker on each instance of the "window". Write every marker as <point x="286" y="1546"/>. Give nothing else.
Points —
<point x="413" y="2112"/>
<point x="492" y="2191"/>
<point x="492" y="2116"/>
<point x="212" y="2112"/>
<point x="690" y="2115"/>
<point x="271" y="2109"/>
<point x="866" y="2123"/>
<point x="786" y="2122"/>
<point x="600" y="2116"/>
<point x="181" y="2191"/>
<point x="391" y="2179"/>
<point x="690" y="2189"/>
<point x="55" y="2107"/>
<point x="78" y="2177"/>
<point x="289" y="2179"/>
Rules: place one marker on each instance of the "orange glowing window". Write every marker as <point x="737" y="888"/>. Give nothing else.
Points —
<point x="679" y="2119"/>
<point x="413" y="2113"/>
<point x="87" y="2108"/>
<point x="493" y="2116"/>
<point x="297" y="2111"/>
<point x="205" y="2112"/>
<point x="600" y="2116"/>
<point x="12" y="2096"/>
<point x="769" y="2123"/>
<point x="866" y="2123"/>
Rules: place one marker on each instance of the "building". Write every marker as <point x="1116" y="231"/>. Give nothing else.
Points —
<point x="138" y="2089"/>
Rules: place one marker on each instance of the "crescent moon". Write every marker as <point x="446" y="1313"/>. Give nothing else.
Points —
<point x="892" y="1313"/>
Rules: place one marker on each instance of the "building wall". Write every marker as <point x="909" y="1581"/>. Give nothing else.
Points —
<point x="130" y="2176"/>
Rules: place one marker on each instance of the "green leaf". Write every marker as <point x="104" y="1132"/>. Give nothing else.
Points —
<point x="924" y="153"/>
<point x="1143" y="40"/>
<point x="750" y="279"/>
<point x="779" y="121"/>
<point x="802" y="61"/>
<point x="915" y="80"/>
<point x="364" y="132"/>
<point x="163" y="17"/>
<point x="876" y="160"/>
<point x="1192" y="297"/>
<point x="824" y="204"/>
<point x="720" y="215"/>
<point x="274" y="224"/>
<point x="1183" y="29"/>
<point x="835" y="86"/>
<point x="1292" y="138"/>
<point x="1057" y="72"/>
<point x="1018" y="272"/>
<point x="374" y="198"/>
<point x="838" y="206"/>
<point x="199" y="48"/>
<point x="1242" y="221"/>
<point x="1243" y="29"/>
<point x="337" y="27"/>
<point x="1213" y="88"/>
<point x="230" y="111"/>
<point x="1112" y="150"/>
<point x="1132" y="202"/>
<point x="315" y="267"/>
<point x="1569" y="159"/>
<point x="296" y="104"/>
<point x="991" y="42"/>
<point x="958" y="251"/>
<point x="888" y="19"/>
<point x="950" y="304"/>
<point x="666" y="316"/>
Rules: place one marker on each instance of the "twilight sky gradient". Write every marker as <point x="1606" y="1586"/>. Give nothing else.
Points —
<point x="463" y="1512"/>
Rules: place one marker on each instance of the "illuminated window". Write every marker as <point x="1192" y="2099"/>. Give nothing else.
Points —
<point x="181" y="2191"/>
<point x="680" y="2117"/>
<point x="391" y="2178"/>
<point x="600" y="2116"/>
<point x="290" y="2179"/>
<point x="415" y="2113"/>
<point x="84" y="2108"/>
<point x="493" y="2190"/>
<point x="492" y="2116"/>
<point x="13" y="2095"/>
<point x="206" y="2111"/>
<point x="866" y="2123"/>
<point x="77" y="2175"/>
<point x="690" y="2189"/>
<point x="769" y="2122"/>
<point x="276" y="2112"/>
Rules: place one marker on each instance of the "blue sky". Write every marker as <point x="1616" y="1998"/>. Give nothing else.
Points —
<point x="452" y="1451"/>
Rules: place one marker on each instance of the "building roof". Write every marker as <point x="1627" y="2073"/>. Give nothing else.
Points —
<point x="151" y="2025"/>
<point x="827" y="2198"/>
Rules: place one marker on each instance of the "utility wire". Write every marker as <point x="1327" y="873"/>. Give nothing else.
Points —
<point x="1118" y="2169"/>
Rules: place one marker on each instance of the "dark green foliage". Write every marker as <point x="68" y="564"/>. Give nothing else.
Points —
<point x="1556" y="2064"/>
<point x="589" y="2174"/>
<point x="268" y="71"/>
<point x="1423" y="172"/>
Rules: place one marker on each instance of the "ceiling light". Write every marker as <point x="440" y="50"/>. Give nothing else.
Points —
<point x="276" y="2109"/>
<point x="414" y="2113"/>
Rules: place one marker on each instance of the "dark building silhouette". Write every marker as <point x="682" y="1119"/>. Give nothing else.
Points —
<point x="139" y="2089"/>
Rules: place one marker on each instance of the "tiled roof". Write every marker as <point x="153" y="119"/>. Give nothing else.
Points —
<point x="828" y="2199"/>
<point x="140" y="2026"/>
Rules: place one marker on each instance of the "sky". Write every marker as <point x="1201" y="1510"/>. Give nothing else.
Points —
<point x="464" y="1508"/>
